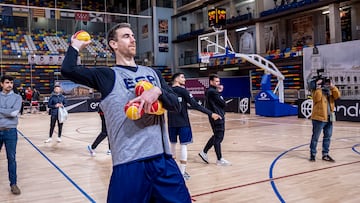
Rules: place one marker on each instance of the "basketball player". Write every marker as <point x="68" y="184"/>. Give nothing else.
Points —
<point x="215" y="103"/>
<point x="178" y="122"/>
<point x="143" y="168"/>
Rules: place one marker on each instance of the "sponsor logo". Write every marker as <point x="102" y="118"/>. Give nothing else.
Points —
<point x="263" y="96"/>
<point x="351" y="111"/>
<point x="244" y="105"/>
<point x="74" y="105"/>
<point x="94" y="105"/>
<point x="340" y="109"/>
<point x="131" y="82"/>
<point x="306" y="108"/>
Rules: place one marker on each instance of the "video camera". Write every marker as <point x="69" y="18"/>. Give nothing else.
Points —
<point x="312" y="83"/>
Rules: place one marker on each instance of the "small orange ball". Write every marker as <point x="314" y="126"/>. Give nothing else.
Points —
<point x="142" y="86"/>
<point x="132" y="111"/>
<point x="157" y="108"/>
<point x="82" y="35"/>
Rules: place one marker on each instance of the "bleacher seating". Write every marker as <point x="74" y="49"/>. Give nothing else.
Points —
<point x="45" y="42"/>
<point x="76" y="5"/>
<point x="285" y="53"/>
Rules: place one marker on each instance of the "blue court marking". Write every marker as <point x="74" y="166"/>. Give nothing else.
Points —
<point x="61" y="171"/>
<point x="272" y="168"/>
<point x="353" y="148"/>
<point x="282" y="154"/>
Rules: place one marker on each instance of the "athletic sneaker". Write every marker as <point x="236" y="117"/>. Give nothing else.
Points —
<point x="58" y="139"/>
<point x="223" y="162"/>
<point x="204" y="157"/>
<point x="108" y="152"/>
<point x="48" y="140"/>
<point x="91" y="151"/>
<point x="186" y="176"/>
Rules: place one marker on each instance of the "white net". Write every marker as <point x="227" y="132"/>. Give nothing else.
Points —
<point x="205" y="57"/>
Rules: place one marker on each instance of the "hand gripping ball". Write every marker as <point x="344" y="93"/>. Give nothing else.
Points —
<point x="157" y="108"/>
<point x="132" y="111"/>
<point x="142" y="86"/>
<point x="82" y="35"/>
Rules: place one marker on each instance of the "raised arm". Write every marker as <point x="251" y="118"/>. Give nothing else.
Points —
<point x="101" y="79"/>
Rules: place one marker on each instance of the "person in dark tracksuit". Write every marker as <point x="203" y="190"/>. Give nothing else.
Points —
<point x="56" y="101"/>
<point x="102" y="135"/>
<point x="215" y="103"/>
<point x="143" y="168"/>
<point x="179" y="123"/>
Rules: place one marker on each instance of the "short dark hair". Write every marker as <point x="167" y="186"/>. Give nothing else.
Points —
<point x="213" y="76"/>
<point x="6" y="77"/>
<point x="176" y="75"/>
<point x="111" y="35"/>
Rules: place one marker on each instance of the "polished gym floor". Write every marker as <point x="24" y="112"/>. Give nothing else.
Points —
<point x="269" y="162"/>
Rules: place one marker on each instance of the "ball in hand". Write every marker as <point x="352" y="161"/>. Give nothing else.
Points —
<point x="132" y="111"/>
<point x="142" y="86"/>
<point x="157" y="108"/>
<point x="82" y="35"/>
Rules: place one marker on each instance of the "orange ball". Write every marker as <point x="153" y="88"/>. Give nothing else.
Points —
<point x="157" y="108"/>
<point x="142" y="86"/>
<point x="132" y="111"/>
<point x="82" y="35"/>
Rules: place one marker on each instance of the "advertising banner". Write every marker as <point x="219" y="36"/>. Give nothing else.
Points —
<point x="345" y="110"/>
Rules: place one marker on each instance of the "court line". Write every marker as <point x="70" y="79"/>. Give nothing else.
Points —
<point x="272" y="167"/>
<point x="353" y="148"/>
<point x="58" y="168"/>
<point x="300" y="173"/>
<point x="271" y="179"/>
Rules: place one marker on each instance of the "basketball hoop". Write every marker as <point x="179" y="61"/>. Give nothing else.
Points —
<point x="205" y="57"/>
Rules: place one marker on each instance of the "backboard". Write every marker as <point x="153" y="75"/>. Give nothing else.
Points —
<point x="213" y="44"/>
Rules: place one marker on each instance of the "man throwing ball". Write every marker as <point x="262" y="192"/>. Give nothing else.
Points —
<point x="143" y="169"/>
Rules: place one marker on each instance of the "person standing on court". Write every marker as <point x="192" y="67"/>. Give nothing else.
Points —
<point x="56" y="101"/>
<point x="23" y="96"/>
<point x="215" y="103"/>
<point x="179" y="123"/>
<point x="102" y="135"/>
<point x="10" y="105"/>
<point x="143" y="168"/>
<point x="322" y="116"/>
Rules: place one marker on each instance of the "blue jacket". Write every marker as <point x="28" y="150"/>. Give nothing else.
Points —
<point x="54" y="99"/>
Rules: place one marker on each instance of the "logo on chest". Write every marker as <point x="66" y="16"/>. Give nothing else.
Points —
<point x="131" y="82"/>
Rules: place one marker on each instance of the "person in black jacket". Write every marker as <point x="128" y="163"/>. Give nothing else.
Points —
<point x="178" y="122"/>
<point x="102" y="135"/>
<point x="215" y="103"/>
<point x="23" y="96"/>
<point x="56" y="101"/>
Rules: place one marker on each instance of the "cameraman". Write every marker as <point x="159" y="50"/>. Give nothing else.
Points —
<point x="323" y="116"/>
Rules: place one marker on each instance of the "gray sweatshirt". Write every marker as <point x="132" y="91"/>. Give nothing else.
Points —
<point x="10" y="105"/>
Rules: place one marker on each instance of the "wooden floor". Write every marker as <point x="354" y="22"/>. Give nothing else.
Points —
<point x="269" y="156"/>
